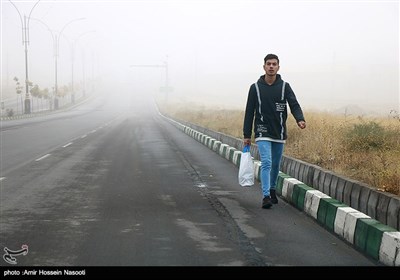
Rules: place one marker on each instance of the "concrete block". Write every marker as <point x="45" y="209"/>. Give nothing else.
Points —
<point x="364" y="197"/>
<point x="374" y="238"/>
<point x="279" y="183"/>
<point x="355" y="195"/>
<point x="326" y="184"/>
<point x="317" y="174"/>
<point x="340" y="220"/>
<point x="211" y="143"/>
<point x="198" y="136"/>
<point x="299" y="195"/>
<point x="350" y="225"/>
<point x="201" y="136"/>
<point x="348" y="187"/>
<point x="310" y="175"/>
<point x="296" y="170"/>
<point x="287" y="188"/>
<point x="236" y="157"/>
<point x="340" y="188"/>
<point x="284" y="164"/>
<point x="229" y="153"/>
<point x="226" y="153"/>
<point x="216" y="146"/>
<point x="320" y="183"/>
<point x="301" y="172"/>
<point x="290" y="165"/>
<point x="393" y="214"/>
<point x="292" y="171"/>
<point x="373" y="200"/>
<point x="222" y="149"/>
<point x="257" y="170"/>
<point x="361" y="232"/>
<point x="232" y="153"/>
<point x="311" y="202"/>
<point x="327" y="212"/>
<point x="206" y="140"/>
<point x="334" y="182"/>
<point x="368" y="236"/>
<point x="389" y="252"/>
<point x="382" y="207"/>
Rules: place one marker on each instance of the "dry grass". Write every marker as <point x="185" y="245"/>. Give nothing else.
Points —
<point x="363" y="148"/>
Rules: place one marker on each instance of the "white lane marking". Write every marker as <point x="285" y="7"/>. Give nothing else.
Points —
<point x="43" y="157"/>
<point x="83" y="136"/>
<point x="2" y="178"/>
<point x="66" y="145"/>
<point x="93" y="131"/>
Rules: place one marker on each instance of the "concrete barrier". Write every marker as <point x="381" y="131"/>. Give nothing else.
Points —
<point x="356" y="194"/>
<point x="332" y="200"/>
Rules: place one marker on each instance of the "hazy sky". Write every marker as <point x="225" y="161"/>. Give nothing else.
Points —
<point x="333" y="53"/>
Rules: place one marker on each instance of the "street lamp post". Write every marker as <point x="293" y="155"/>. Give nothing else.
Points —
<point x="57" y="48"/>
<point x="25" y="42"/>
<point x="56" y="51"/>
<point x="73" y="60"/>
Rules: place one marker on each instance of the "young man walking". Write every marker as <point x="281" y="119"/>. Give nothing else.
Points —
<point x="266" y="108"/>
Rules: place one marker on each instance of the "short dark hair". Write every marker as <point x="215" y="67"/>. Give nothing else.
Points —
<point x="271" y="56"/>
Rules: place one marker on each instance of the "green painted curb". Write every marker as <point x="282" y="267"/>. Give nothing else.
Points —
<point x="224" y="150"/>
<point x="327" y="211"/>
<point x="299" y="195"/>
<point x="239" y="157"/>
<point x="231" y="152"/>
<point x="279" y="183"/>
<point x="368" y="236"/>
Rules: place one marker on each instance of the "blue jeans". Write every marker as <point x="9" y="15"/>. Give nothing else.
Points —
<point x="270" y="154"/>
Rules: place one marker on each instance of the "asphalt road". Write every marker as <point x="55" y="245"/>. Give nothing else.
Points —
<point x="116" y="185"/>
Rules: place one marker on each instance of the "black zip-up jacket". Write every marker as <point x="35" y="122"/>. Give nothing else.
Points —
<point x="270" y="109"/>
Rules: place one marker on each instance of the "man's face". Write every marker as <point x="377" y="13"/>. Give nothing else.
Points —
<point x="271" y="67"/>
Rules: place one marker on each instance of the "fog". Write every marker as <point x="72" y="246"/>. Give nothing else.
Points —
<point x="333" y="53"/>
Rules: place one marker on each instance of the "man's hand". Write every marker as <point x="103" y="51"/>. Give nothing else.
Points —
<point x="247" y="141"/>
<point x="301" y="124"/>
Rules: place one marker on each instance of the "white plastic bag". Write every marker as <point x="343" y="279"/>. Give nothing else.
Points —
<point x="246" y="168"/>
